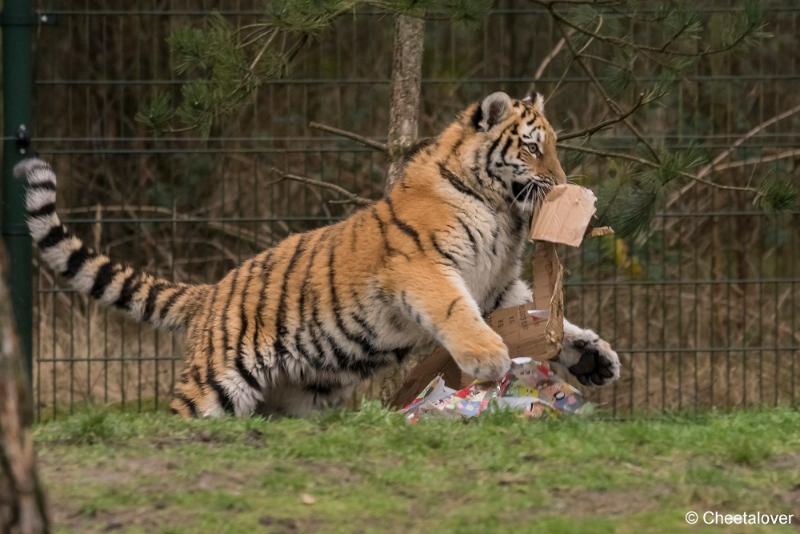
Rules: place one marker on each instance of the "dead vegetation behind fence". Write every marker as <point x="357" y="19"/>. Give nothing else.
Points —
<point x="702" y="306"/>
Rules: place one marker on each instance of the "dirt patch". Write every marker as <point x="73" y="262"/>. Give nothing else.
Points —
<point x="150" y="470"/>
<point x="279" y="524"/>
<point x="83" y="519"/>
<point x="603" y="502"/>
<point x="792" y="498"/>
<point x="110" y="470"/>
<point x="789" y="461"/>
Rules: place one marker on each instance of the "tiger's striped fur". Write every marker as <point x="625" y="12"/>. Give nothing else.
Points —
<point x="296" y="326"/>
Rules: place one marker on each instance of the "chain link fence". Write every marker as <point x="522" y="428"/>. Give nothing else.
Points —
<point x="702" y="308"/>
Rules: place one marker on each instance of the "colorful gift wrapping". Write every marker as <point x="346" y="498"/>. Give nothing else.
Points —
<point x="530" y="387"/>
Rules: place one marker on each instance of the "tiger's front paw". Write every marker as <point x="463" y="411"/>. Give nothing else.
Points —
<point x="484" y="357"/>
<point x="591" y="359"/>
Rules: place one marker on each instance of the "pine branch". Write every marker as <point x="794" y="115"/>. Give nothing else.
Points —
<point x="654" y="165"/>
<point x="624" y="43"/>
<point x="589" y="131"/>
<point x="593" y="3"/>
<point x="610" y="102"/>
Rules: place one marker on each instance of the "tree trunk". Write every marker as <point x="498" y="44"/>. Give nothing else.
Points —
<point x="22" y="509"/>
<point x="409" y="36"/>
<point x="409" y="40"/>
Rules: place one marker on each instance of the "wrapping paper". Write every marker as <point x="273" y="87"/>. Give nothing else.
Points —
<point x="530" y="387"/>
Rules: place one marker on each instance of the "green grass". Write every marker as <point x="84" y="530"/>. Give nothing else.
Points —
<point x="369" y="471"/>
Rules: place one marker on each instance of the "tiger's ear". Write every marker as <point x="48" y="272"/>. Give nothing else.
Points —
<point x="537" y="101"/>
<point x="492" y="110"/>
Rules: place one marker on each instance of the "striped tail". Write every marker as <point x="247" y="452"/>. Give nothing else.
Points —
<point x="143" y="296"/>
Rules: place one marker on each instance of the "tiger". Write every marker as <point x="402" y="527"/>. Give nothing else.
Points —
<point x="295" y="328"/>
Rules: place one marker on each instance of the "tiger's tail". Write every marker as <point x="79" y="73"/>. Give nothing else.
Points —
<point x="143" y="296"/>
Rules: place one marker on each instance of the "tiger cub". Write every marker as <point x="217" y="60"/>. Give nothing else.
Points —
<point x="295" y="327"/>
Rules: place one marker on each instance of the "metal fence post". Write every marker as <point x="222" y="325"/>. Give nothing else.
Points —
<point x="17" y="20"/>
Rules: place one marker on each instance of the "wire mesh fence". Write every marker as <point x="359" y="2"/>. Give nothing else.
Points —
<point x="702" y="308"/>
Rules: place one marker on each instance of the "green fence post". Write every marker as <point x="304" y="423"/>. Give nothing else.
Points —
<point x="17" y="22"/>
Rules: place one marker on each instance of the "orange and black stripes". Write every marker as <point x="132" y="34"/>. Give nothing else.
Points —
<point x="459" y="185"/>
<point x="318" y="312"/>
<point x="402" y="225"/>
<point x="267" y="263"/>
<point x="244" y="324"/>
<point x="315" y="356"/>
<point x="89" y="272"/>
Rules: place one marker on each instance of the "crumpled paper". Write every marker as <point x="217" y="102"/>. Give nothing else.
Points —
<point x="530" y="387"/>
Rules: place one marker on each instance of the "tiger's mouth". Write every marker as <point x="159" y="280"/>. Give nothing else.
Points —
<point x="517" y="188"/>
<point x="526" y="195"/>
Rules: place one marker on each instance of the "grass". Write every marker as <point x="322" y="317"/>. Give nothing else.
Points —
<point x="368" y="471"/>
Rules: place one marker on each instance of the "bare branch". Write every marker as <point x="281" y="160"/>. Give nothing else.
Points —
<point x="366" y="141"/>
<point x="767" y="123"/>
<point x="711" y="167"/>
<point x="548" y="58"/>
<point x="572" y="60"/>
<point x="607" y="154"/>
<point x="546" y="62"/>
<point x="757" y="160"/>
<point x="257" y="238"/>
<point x="351" y="198"/>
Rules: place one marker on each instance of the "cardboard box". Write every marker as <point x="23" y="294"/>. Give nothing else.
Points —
<point x="564" y="215"/>
<point x="534" y="329"/>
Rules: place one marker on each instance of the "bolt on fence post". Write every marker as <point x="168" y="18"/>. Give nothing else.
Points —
<point x="17" y="20"/>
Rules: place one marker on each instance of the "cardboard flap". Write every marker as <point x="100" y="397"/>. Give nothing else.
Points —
<point x="548" y="294"/>
<point x="564" y="215"/>
<point x="439" y="362"/>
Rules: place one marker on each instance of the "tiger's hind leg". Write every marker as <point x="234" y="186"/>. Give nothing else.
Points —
<point x="193" y="398"/>
<point x="225" y="397"/>
<point x="206" y="389"/>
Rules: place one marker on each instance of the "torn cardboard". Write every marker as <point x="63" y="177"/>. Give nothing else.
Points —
<point x="564" y="215"/>
<point x="600" y="231"/>
<point x="537" y="326"/>
<point x="534" y="329"/>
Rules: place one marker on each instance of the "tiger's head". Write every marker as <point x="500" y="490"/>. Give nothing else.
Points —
<point x="513" y="149"/>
